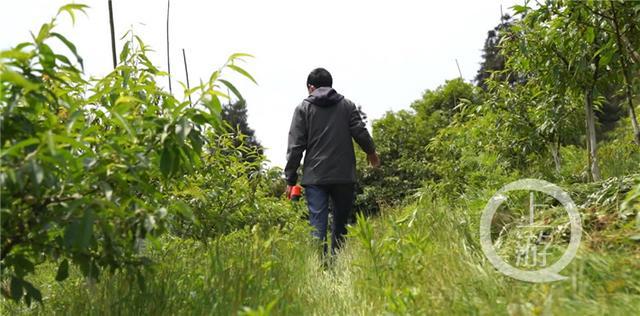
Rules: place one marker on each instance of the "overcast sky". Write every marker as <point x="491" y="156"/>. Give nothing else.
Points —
<point x="382" y="54"/>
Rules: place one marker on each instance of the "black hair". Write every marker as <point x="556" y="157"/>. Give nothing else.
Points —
<point x="320" y="77"/>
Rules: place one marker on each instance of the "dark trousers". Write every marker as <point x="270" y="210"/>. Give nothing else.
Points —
<point x="341" y="196"/>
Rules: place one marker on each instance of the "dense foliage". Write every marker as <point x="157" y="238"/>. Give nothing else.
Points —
<point x="91" y="169"/>
<point x="402" y="138"/>
<point x="554" y="69"/>
<point x="236" y="116"/>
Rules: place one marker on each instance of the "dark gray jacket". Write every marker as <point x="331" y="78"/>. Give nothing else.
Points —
<point x="323" y="126"/>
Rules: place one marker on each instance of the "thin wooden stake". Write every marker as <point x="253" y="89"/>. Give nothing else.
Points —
<point x="168" y="58"/>
<point x="458" y="65"/>
<point x="113" y="37"/>
<point x="186" y="71"/>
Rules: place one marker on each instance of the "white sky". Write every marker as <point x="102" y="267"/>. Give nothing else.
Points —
<point x="382" y="54"/>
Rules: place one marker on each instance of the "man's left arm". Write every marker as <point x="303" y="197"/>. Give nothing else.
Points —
<point x="359" y="132"/>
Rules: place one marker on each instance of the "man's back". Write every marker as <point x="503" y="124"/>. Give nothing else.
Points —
<point x="323" y="125"/>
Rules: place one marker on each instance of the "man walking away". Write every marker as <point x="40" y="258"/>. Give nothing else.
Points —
<point x="324" y="125"/>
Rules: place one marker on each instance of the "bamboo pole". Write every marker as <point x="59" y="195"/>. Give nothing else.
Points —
<point x="168" y="58"/>
<point x="113" y="37"/>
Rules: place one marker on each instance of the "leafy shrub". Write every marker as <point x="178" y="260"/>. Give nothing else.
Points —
<point x="89" y="166"/>
<point x="469" y="155"/>
<point x="402" y="139"/>
<point x="632" y="203"/>
<point x="230" y="275"/>
<point x="274" y="184"/>
<point x="229" y="192"/>
<point x="619" y="151"/>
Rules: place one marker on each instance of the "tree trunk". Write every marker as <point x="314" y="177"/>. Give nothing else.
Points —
<point x="625" y="73"/>
<point x="632" y="111"/>
<point x="555" y="153"/>
<point x="592" y="145"/>
<point x="634" y="123"/>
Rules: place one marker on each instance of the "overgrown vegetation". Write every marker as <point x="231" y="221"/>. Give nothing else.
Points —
<point x="422" y="259"/>
<point x="562" y="73"/>
<point x="93" y="168"/>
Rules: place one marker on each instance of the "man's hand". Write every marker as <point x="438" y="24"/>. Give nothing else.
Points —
<point x="287" y="192"/>
<point x="374" y="160"/>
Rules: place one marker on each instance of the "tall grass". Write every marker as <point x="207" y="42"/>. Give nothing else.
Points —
<point x="422" y="259"/>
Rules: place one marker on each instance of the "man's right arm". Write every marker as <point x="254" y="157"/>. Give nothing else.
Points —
<point x="297" y="144"/>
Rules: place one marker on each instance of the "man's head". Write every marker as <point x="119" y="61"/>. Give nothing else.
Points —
<point x="317" y="78"/>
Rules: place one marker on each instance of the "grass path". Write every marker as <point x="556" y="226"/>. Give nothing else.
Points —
<point x="421" y="259"/>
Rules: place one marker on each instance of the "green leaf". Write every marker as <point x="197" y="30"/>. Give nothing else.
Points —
<point x="590" y="34"/>
<point x="214" y="106"/>
<point x="186" y="162"/>
<point x="123" y="123"/>
<point x="47" y="58"/>
<point x="19" y="80"/>
<point x="43" y="33"/>
<point x="70" y="46"/>
<point x="519" y="9"/>
<point x="63" y="59"/>
<point x="605" y="58"/>
<point x="63" y="271"/>
<point x="78" y="234"/>
<point x="239" y="56"/>
<point x="141" y="44"/>
<point x="232" y="88"/>
<point x="15" y="148"/>
<point x="167" y="162"/>
<point x="72" y="142"/>
<point x="221" y="94"/>
<point x="23" y="45"/>
<point x="242" y="72"/>
<point x="183" y="128"/>
<point x="86" y="229"/>
<point x="200" y="119"/>
<point x="183" y="209"/>
<point x="127" y="99"/>
<point x="70" y="233"/>
<point x="51" y="143"/>
<point x="70" y="8"/>
<point x="126" y="34"/>
<point x="125" y="52"/>
<point x="15" y="54"/>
